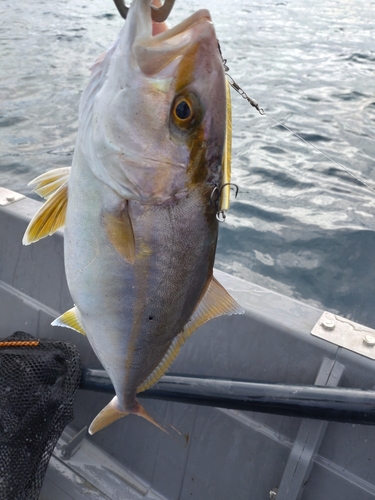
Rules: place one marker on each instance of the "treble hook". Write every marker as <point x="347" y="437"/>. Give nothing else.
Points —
<point x="230" y="184"/>
<point x="213" y="192"/>
<point x="158" y="14"/>
<point x="222" y="187"/>
<point x="221" y="215"/>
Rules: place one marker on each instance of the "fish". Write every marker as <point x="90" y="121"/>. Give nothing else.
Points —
<point x="139" y="203"/>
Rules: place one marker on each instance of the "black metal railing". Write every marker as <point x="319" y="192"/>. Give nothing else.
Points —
<point x="324" y="403"/>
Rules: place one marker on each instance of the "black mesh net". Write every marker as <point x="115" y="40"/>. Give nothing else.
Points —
<point x="38" y="381"/>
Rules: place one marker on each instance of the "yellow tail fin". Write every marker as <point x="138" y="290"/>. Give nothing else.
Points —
<point x="113" y="412"/>
<point x="108" y="415"/>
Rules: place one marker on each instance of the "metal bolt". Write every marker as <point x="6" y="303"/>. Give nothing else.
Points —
<point x="10" y="198"/>
<point x="369" y="340"/>
<point x="273" y="493"/>
<point x="328" y="324"/>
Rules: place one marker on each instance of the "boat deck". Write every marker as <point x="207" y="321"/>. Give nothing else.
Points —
<point x="215" y="453"/>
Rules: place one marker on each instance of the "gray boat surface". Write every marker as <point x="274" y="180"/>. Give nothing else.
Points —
<point x="217" y="453"/>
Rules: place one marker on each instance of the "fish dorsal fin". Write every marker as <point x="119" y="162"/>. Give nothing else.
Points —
<point x="215" y="302"/>
<point x="49" y="182"/>
<point x="70" y="320"/>
<point x="50" y="217"/>
<point x="120" y="233"/>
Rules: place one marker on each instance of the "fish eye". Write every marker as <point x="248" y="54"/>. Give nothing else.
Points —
<point x="185" y="111"/>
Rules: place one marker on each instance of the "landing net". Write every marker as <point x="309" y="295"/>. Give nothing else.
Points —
<point x="38" y="381"/>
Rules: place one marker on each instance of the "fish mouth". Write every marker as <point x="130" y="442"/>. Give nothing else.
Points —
<point x="158" y="55"/>
<point x="182" y="27"/>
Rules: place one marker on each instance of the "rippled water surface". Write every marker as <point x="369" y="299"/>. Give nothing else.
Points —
<point x="300" y="225"/>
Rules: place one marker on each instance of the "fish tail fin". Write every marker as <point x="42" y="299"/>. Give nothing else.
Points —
<point x="141" y="412"/>
<point x="113" y="412"/>
<point x="108" y="415"/>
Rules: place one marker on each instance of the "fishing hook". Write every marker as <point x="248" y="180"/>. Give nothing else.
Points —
<point x="158" y="14"/>
<point x="230" y="184"/>
<point x="221" y="214"/>
<point x="214" y="191"/>
<point x="222" y="187"/>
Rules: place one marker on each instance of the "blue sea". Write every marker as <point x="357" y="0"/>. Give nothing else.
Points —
<point x="301" y="225"/>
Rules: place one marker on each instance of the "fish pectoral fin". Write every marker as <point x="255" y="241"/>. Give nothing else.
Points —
<point x="113" y="412"/>
<point x="49" y="182"/>
<point x="120" y="233"/>
<point x="49" y="218"/>
<point x="107" y="416"/>
<point x="70" y="320"/>
<point x="215" y="302"/>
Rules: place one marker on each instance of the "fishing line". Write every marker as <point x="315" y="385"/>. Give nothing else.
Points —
<point x="319" y="150"/>
<point x="261" y="111"/>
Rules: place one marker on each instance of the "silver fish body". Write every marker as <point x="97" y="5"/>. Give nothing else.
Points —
<point x="156" y="295"/>
<point x="140" y="215"/>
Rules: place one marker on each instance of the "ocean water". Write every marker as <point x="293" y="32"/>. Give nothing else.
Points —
<point x="301" y="225"/>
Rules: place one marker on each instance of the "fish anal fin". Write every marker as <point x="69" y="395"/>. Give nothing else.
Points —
<point x="49" y="218"/>
<point x="113" y="412"/>
<point x="70" y="320"/>
<point x="120" y="233"/>
<point x="215" y="302"/>
<point x="49" y="182"/>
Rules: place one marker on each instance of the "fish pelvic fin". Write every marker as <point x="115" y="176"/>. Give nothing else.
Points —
<point x="70" y="320"/>
<point x="215" y="302"/>
<point x="50" y="217"/>
<point x="113" y="412"/>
